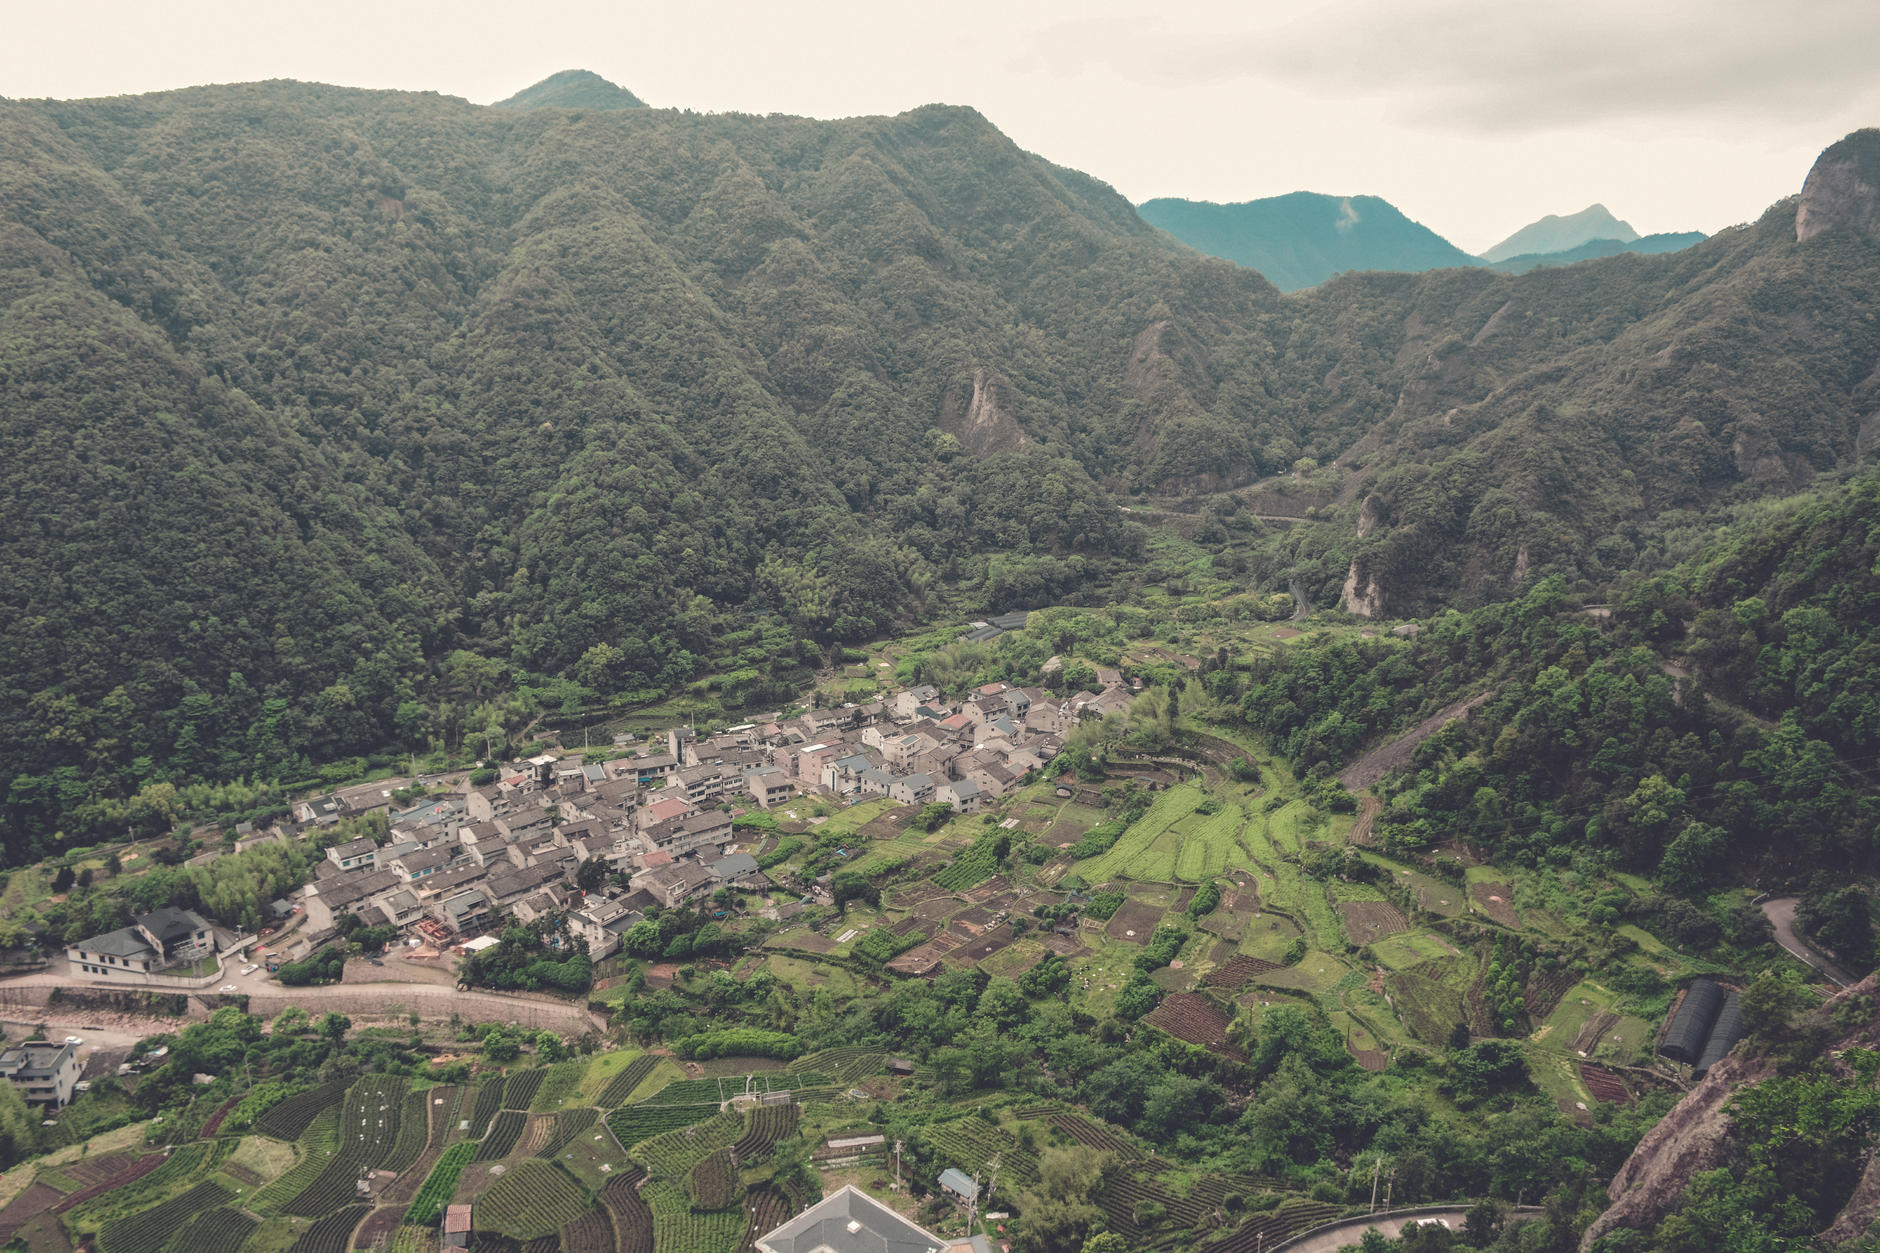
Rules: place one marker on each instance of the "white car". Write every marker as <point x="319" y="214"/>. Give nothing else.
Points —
<point x="72" y="1039"/>
<point x="250" y="968"/>
<point x="228" y="987"/>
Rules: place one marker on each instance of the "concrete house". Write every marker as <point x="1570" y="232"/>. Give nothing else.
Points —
<point x="912" y="789"/>
<point x="962" y="795"/>
<point x="354" y="854"/>
<point x="44" y="1073"/>
<point x="769" y="786"/>
<point x="153" y="943"/>
<point x="675" y="884"/>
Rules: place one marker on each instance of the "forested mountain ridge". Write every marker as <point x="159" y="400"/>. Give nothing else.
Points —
<point x="321" y="395"/>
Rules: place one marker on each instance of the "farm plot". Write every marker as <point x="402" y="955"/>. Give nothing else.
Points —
<point x="769" y="1209"/>
<point x="1366" y="922"/>
<point x="370" y="1117"/>
<point x="1410" y="949"/>
<point x="671" y="1155"/>
<point x="519" y="1091"/>
<point x="1429" y="1008"/>
<point x="593" y="1232"/>
<point x="332" y="1234"/>
<point x="844" y="1065"/>
<point x="414" y="1129"/>
<point x="540" y="1127"/>
<point x="1134" y="922"/>
<point x="621" y="1086"/>
<point x="559" y="1083"/>
<point x="1237" y="970"/>
<point x="440" y="1185"/>
<point x="1194" y="1020"/>
<point x="315" y="1148"/>
<point x="766" y="1127"/>
<point x="1269" y="1229"/>
<point x="1496" y="900"/>
<point x="290" y="1119"/>
<point x="633" y="1218"/>
<point x="642" y="1122"/>
<point x="376" y="1231"/>
<point x="677" y="1226"/>
<point x="533" y="1199"/>
<point x="712" y="1183"/>
<point x="1211" y="847"/>
<point x="1094" y="1135"/>
<point x="568" y="1126"/>
<point x="149" y="1230"/>
<point x="504" y="1132"/>
<point x="971" y="1143"/>
<point x="1149" y="848"/>
<point x="128" y="1172"/>
<point x="222" y="1228"/>
<point x="1604" y="1085"/>
<point x="489" y="1101"/>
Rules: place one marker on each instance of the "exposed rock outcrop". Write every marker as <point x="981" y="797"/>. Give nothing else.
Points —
<point x="1370" y="514"/>
<point x="1843" y="190"/>
<point x="1695" y="1136"/>
<point x="1363" y="597"/>
<point x="983" y="422"/>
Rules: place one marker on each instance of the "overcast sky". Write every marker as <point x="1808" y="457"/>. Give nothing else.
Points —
<point x="1474" y="118"/>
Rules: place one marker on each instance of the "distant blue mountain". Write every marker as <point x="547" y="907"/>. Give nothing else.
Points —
<point x="1593" y="249"/>
<point x="1302" y="239"/>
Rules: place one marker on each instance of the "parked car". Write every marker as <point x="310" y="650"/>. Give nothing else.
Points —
<point x="228" y="987"/>
<point x="250" y="968"/>
<point x="72" y="1039"/>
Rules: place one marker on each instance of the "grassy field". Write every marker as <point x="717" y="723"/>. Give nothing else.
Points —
<point x="1151" y="846"/>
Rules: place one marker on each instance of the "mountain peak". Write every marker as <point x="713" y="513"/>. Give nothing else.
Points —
<point x="1843" y="189"/>
<point x="1555" y="233"/>
<point x="573" y="89"/>
<point x="1303" y="238"/>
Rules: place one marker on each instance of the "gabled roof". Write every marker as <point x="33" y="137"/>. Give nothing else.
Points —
<point x="850" y="1221"/>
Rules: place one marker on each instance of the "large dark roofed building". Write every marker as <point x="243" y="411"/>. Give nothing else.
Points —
<point x="1691" y="1026"/>
<point x="1723" y="1036"/>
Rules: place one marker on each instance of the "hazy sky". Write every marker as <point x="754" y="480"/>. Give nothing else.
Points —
<point x="1471" y="117"/>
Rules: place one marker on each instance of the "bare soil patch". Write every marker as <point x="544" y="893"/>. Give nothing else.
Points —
<point x="1195" y="1020"/>
<point x="1497" y="901"/>
<point x="1134" y="922"/>
<point x="888" y="825"/>
<point x="805" y="942"/>
<point x="1374" y="1060"/>
<point x="992" y="942"/>
<point x="1380" y="761"/>
<point x="1236" y="971"/>
<point x="1604" y="1085"/>
<point x="1366" y="921"/>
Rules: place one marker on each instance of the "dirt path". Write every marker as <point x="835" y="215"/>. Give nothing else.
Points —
<point x="1780" y="911"/>
<point x="1380" y="761"/>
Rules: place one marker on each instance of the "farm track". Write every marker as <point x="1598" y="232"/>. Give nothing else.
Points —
<point x="1380" y="761"/>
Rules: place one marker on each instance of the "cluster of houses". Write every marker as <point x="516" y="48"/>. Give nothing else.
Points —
<point x="661" y="819"/>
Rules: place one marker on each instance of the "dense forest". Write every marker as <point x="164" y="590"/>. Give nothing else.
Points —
<point x="348" y="421"/>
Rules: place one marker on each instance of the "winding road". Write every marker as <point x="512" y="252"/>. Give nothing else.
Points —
<point x="1780" y="911"/>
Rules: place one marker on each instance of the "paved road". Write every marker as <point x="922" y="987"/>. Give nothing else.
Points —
<point x="1331" y="1239"/>
<point x="1780" y="911"/>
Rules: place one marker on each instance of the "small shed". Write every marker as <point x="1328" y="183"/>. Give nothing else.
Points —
<point x="457" y="1227"/>
<point x="1690" y="1027"/>
<point x="900" y="1066"/>
<point x="959" y="1184"/>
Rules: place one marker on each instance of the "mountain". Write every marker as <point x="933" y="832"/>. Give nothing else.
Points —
<point x="573" y="89"/>
<point x="1592" y="250"/>
<point x="1559" y="234"/>
<point x="1302" y="239"/>
<point x="343" y="421"/>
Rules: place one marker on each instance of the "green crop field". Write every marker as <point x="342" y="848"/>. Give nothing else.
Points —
<point x="532" y="1200"/>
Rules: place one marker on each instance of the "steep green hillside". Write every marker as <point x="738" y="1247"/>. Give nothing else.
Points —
<point x="1302" y="239"/>
<point x="346" y="421"/>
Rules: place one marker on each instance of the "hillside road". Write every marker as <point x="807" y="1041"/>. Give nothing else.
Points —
<point x="1780" y="911"/>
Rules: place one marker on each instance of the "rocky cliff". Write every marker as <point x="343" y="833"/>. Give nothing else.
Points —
<point x="1843" y="190"/>
<point x="1695" y="1137"/>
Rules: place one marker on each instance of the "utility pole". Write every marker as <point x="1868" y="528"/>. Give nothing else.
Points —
<point x="994" y="1181"/>
<point x="1390" y="1181"/>
<point x="897" y="1165"/>
<point x="1377" y="1164"/>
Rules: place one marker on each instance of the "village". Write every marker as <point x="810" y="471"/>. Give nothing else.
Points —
<point x="658" y="818"/>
